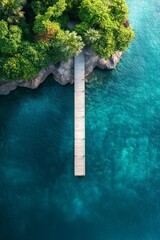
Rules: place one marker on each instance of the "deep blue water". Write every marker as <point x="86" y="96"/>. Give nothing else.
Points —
<point x="119" y="199"/>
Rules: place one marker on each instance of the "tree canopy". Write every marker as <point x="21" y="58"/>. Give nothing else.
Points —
<point x="35" y="33"/>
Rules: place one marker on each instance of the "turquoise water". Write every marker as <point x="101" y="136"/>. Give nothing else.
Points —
<point x="119" y="199"/>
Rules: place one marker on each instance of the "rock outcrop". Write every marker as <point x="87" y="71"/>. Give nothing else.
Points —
<point x="64" y="72"/>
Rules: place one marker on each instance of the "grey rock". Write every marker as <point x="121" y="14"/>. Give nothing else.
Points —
<point x="64" y="73"/>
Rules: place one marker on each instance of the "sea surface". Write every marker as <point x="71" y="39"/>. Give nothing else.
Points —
<point x="119" y="199"/>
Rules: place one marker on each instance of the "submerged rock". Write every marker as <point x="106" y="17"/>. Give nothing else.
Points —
<point x="64" y="72"/>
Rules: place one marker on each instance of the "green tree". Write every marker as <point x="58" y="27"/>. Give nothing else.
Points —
<point x="118" y="10"/>
<point x="44" y="26"/>
<point x="65" y="45"/>
<point x="124" y="37"/>
<point x="18" y="67"/>
<point x="3" y="28"/>
<point x="35" y="53"/>
<point x="91" y="36"/>
<point x="56" y="10"/>
<point x="10" y="40"/>
<point x="11" y="10"/>
<point x="34" y="33"/>
<point x="108" y="18"/>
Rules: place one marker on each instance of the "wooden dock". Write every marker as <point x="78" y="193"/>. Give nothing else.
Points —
<point x="79" y="115"/>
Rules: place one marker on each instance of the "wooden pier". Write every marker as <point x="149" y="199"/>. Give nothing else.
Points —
<point x="79" y="115"/>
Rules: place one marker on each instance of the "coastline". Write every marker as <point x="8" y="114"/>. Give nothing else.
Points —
<point x="64" y="72"/>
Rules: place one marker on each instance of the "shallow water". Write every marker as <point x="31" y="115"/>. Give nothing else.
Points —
<point x="119" y="199"/>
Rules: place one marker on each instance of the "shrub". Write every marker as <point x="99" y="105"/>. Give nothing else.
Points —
<point x="34" y="33"/>
<point x="65" y="45"/>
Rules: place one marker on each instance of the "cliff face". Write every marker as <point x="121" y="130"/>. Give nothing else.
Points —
<point x="64" y="73"/>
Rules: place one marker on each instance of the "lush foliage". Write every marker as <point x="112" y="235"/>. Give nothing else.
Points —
<point x="35" y="33"/>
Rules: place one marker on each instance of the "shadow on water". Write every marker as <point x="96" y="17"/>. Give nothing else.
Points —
<point x="32" y="125"/>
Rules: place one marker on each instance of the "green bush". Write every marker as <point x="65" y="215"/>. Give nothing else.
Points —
<point x="91" y="36"/>
<point x="65" y="45"/>
<point x="11" y="10"/>
<point x="44" y="25"/>
<point x="35" y="33"/>
<point x="10" y="39"/>
<point x="108" y="20"/>
<point x="18" y="67"/>
<point x="3" y="29"/>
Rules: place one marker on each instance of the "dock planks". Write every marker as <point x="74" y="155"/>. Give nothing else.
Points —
<point x="79" y="115"/>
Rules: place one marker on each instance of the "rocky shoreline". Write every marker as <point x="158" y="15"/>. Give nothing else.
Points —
<point x="64" y="72"/>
